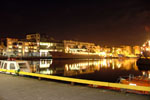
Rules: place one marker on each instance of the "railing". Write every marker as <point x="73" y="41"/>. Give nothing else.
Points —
<point x="89" y="82"/>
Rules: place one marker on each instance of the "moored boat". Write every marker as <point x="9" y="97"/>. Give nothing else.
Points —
<point x="143" y="64"/>
<point x="63" y="55"/>
<point x="129" y="81"/>
<point x="136" y="81"/>
<point x="17" y="65"/>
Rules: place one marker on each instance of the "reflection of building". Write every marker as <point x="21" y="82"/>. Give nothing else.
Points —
<point x="146" y="74"/>
<point x="80" y="67"/>
<point x="44" y="67"/>
<point x="45" y="63"/>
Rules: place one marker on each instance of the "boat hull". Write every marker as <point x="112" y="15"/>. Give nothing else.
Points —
<point x="62" y="55"/>
<point x="136" y="81"/>
<point x="143" y="64"/>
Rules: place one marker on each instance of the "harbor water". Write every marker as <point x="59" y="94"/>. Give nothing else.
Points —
<point x="107" y="70"/>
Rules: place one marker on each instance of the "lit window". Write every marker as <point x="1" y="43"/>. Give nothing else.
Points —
<point x="26" y="50"/>
<point x="9" y="42"/>
<point x="19" y="50"/>
<point x="20" y="46"/>
<point x="26" y="44"/>
<point x="9" y="50"/>
<point x="10" y="46"/>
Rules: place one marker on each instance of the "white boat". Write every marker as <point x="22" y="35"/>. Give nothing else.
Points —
<point x="17" y="65"/>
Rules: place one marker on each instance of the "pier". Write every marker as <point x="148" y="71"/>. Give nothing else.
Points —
<point x="24" y="88"/>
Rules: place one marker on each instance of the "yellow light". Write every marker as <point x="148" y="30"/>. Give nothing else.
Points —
<point x="20" y="46"/>
<point x="149" y="42"/>
<point x="147" y="49"/>
<point x="26" y="44"/>
<point x="9" y="43"/>
<point x="26" y="50"/>
<point x="66" y="66"/>
<point x="19" y="50"/>
<point x="10" y="46"/>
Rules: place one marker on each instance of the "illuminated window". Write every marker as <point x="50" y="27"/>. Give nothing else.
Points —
<point x="26" y="44"/>
<point x="19" y="50"/>
<point x="9" y="50"/>
<point x="9" y="42"/>
<point x="26" y="50"/>
<point x="10" y="46"/>
<point x="20" y="46"/>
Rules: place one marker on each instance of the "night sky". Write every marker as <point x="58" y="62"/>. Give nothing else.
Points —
<point x="104" y="22"/>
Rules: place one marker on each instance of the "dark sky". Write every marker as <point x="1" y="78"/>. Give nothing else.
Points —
<point x="104" y="22"/>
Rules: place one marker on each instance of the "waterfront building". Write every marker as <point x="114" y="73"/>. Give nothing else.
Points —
<point x="41" y="45"/>
<point x="19" y="47"/>
<point x="117" y="51"/>
<point x="137" y="50"/>
<point x="8" y="45"/>
<point x="46" y="47"/>
<point x="2" y="48"/>
<point x="106" y="51"/>
<point x="34" y="36"/>
<point x="45" y="43"/>
<point x="76" y="46"/>
<point x="30" y="48"/>
<point x="127" y="51"/>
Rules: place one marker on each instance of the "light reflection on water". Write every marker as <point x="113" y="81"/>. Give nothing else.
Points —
<point x="101" y="70"/>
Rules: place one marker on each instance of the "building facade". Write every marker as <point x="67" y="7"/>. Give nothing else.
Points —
<point x="41" y="45"/>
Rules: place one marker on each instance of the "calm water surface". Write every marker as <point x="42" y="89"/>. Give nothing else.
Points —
<point x="108" y="70"/>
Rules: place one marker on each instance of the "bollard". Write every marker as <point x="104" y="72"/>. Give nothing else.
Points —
<point x="72" y="83"/>
<point x="39" y="78"/>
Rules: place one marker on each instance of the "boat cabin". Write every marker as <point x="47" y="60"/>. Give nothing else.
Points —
<point x="17" y="65"/>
